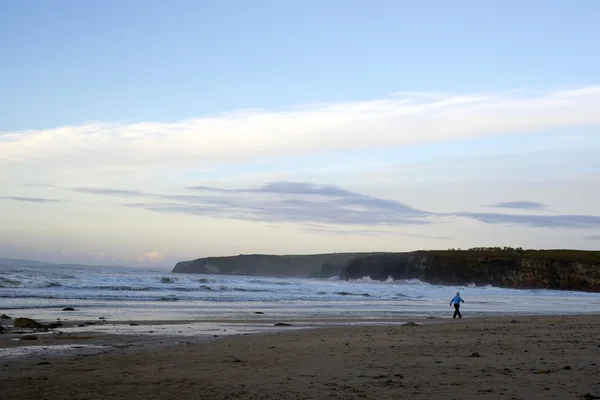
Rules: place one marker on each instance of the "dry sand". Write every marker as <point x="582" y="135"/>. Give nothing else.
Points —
<point x="535" y="358"/>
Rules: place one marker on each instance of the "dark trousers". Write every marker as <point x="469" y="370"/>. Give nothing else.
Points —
<point x="457" y="311"/>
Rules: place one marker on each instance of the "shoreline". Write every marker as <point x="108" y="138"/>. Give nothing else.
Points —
<point x="522" y="357"/>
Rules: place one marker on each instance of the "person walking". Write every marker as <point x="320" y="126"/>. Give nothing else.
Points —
<point x="456" y="300"/>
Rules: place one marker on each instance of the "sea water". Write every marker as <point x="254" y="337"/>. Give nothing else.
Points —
<point x="144" y="294"/>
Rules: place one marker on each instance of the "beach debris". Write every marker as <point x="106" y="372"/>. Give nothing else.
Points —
<point x="282" y="324"/>
<point x="4" y="316"/>
<point x="68" y="309"/>
<point x="410" y="324"/>
<point x="28" y="337"/>
<point x="26" y="323"/>
<point x="475" y="354"/>
<point x="589" y="396"/>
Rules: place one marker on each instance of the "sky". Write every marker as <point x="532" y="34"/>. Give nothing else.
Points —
<point x="149" y="132"/>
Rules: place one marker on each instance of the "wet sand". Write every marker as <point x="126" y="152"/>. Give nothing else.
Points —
<point x="532" y="358"/>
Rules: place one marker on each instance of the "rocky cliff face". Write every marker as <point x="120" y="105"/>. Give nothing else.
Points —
<point x="552" y="269"/>
<point x="316" y="265"/>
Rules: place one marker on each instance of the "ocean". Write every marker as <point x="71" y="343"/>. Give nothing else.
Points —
<point x="145" y="294"/>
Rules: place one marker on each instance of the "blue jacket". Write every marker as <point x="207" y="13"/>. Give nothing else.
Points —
<point x="457" y="300"/>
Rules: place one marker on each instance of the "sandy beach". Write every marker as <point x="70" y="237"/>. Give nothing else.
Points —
<point x="504" y="358"/>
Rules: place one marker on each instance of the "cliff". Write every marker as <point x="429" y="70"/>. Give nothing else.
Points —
<point x="502" y="267"/>
<point x="303" y="266"/>
<point x="516" y="268"/>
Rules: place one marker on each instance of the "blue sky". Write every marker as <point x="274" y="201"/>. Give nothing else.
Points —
<point x="490" y="102"/>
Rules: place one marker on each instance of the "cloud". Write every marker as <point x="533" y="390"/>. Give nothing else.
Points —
<point x="366" y="232"/>
<point x="151" y="256"/>
<point x="523" y="205"/>
<point x="106" y="191"/>
<point x="537" y="221"/>
<point x="309" y="203"/>
<point x="592" y="237"/>
<point x="304" y="188"/>
<point x="251" y="135"/>
<point x="284" y="187"/>
<point x="31" y="199"/>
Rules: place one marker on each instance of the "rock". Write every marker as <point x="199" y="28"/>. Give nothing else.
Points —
<point x="282" y="324"/>
<point x="89" y="323"/>
<point x="589" y="396"/>
<point x="133" y="324"/>
<point x="4" y="316"/>
<point x="81" y="325"/>
<point x="259" y="312"/>
<point x="54" y="325"/>
<point x="567" y="367"/>
<point x="43" y="363"/>
<point x="410" y="324"/>
<point x="102" y="318"/>
<point x="26" y="323"/>
<point x="1" y="329"/>
<point x="476" y="354"/>
<point x="515" y="321"/>
<point x="68" y="309"/>
<point x="28" y="337"/>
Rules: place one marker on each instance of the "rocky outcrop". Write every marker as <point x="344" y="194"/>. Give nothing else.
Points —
<point x="552" y="269"/>
<point x="316" y="265"/>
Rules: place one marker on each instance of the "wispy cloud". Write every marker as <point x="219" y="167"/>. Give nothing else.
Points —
<point x="242" y="136"/>
<point x="367" y="232"/>
<point x="107" y="191"/>
<point x="592" y="237"/>
<point x="310" y="203"/>
<point x="537" y="221"/>
<point x="522" y="205"/>
<point x="31" y="199"/>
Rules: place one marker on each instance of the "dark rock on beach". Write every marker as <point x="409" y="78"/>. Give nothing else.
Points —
<point x="410" y="324"/>
<point x="26" y="323"/>
<point x="68" y="309"/>
<point x="282" y="324"/>
<point x="28" y="337"/>
<point x="4" y="316"/>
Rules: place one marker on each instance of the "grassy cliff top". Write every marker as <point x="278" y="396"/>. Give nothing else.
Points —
<point x="583" y="256"/>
